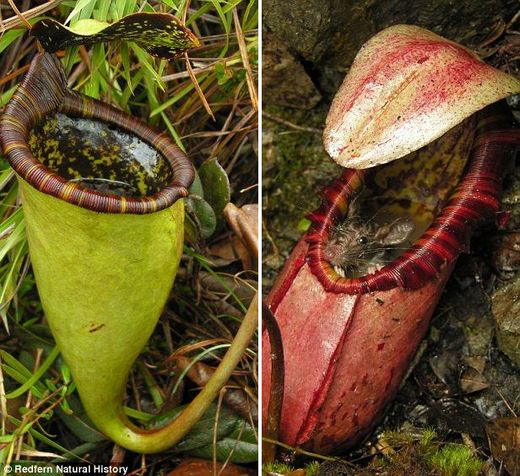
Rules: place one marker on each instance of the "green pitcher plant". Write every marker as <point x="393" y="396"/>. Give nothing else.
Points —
<point x="103" y="201"/>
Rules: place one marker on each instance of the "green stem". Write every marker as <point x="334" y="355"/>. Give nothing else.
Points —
<point x="136" y="439"/>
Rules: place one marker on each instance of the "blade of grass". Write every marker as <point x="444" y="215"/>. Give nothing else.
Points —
<point x="15" y="365"/>
<point x="8" y="38"/>
<point x="225" y="23"/>
<point x="194" y="16"/>
<point x="173" y="132"/>
<point x="83" y="8"/>
<point x="245" y="59"/>
<point x="143" y="58"/>
<point x="36" y="375"/>
<point x="193" y="362"/>
<point x="165" y="105"/>
<point x="45" y="439"/>
<point x="206" y="265"/>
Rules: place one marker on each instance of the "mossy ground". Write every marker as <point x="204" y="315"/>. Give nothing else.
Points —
<point x="295" y="170"/>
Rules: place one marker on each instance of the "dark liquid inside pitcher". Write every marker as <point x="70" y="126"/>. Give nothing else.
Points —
<point x="99" y="156"/>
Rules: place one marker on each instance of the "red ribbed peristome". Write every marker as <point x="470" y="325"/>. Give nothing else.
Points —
<point x="476" y="197"/>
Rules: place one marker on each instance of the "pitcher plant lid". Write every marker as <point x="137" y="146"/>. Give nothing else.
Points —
<point x="407" y="86"/>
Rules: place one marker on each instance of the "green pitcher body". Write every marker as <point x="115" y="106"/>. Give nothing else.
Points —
<point x="102" y="195"/>
<point x="103" y="280"/>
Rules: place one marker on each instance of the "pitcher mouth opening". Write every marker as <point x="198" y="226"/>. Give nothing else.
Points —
<point x="443" y="200"/>
<point x="88" y="153"/>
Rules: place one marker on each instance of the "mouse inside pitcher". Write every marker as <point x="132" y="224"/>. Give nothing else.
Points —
<point x="361" y="244"/>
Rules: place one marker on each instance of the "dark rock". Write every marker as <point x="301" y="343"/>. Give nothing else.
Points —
<point x="314" y="29"/>
<point x="332" y="31"/>
<point x="454" y="415"/>
<point x="467" y="22"/>
<point x="506" y="255"/>
<point x="506" y="309"/>
<point x="284" y="80"/>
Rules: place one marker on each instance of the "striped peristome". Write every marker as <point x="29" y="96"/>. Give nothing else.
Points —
<point x="476" y="197"/>
<point x="43" y="92"/>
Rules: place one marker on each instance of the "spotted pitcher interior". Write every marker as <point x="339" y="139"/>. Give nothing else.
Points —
<point x="99" y="156"/>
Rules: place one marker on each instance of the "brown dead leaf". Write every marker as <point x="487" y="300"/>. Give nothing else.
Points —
<point x="472" y="381"/>
<point x="504" y="441"/>
<point x="230" y="250"/>
<point x="477" y="362"/>
<point x="244" y="222"/>
<point x="200" y="467"/>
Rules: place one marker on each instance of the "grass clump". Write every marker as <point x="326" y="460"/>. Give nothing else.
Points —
<point x="421" y="453"/>
<point x="276" y="467"/>
<point x="312" y="469"/>
<point x="456" y="460"/>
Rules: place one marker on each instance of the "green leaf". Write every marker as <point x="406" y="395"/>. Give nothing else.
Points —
<point x="185" y="90"/>
<point x="250" y="18"/>
<point x="225" y="23"/>
<point x="94" y="84"/>
<point x="45" y="439"/>
<point x="125" y="60"/>
<point x="241" y="446"/>
<point x="223" y="73"/>
<point x="5" y="97"/>
<point x="203" y="215"/>
<point x="173" y="131"/>
<point x="17" y="366"/>
<point x="160" y="34"/>
<point x="198" y="14"/>
<point x="128" y="6"/>
<point x="201" y="434"/>
<point x="81" y="5"/>
<point x="303" y="225"/>
<point x="170" y="3"/>
<point x="196" y="186"/>
<point x="10" y="36"/>
<point x="144" y="61"/>
<point x="215" y="182"/>
<point x="101" y="13"/>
